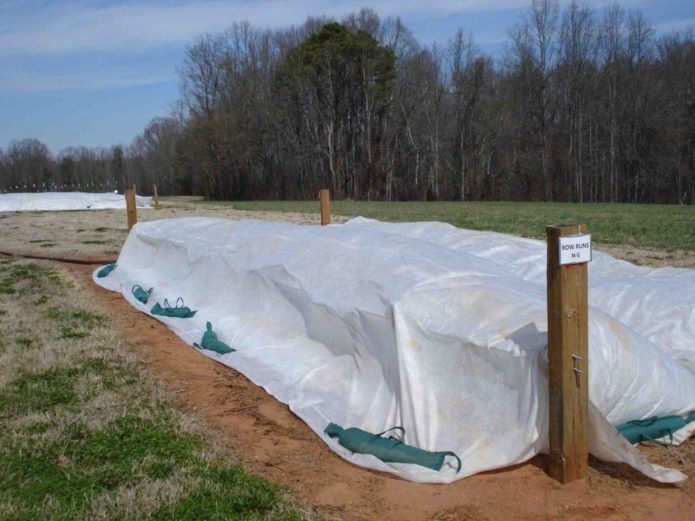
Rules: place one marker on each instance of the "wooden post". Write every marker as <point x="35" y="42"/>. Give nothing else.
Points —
<point x="130" y="207"/>
<point x="156" y="198"/>
<point x="568" y="364"/>
<point x="325" y="199"/>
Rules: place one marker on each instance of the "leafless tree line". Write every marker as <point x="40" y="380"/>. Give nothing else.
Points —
<point x="582" y="105"/>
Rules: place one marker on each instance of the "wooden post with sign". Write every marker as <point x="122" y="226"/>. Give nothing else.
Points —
<point x="325" y="200"/>
<point x="156" y="198"/>
<point x="569" y="251"/>
<point x="130" y="207"/>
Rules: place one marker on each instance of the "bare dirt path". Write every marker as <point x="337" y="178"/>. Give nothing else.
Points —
<point x="274" y="443"/>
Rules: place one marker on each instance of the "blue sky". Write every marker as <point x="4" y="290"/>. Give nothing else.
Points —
<point x="95" y="73"/>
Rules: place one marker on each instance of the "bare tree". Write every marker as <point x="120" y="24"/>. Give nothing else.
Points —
<point x="582" y="106"/>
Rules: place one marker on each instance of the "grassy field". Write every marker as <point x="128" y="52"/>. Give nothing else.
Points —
<point x="655" y="226"/>
<point x="86" y="431"/>
<point x="86" y="434"/>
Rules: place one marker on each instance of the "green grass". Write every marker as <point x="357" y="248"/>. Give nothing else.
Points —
<point x="74" y="323"/>
<point x="95" y="241"/>
<point x="665" y="227"/>
<point x="26" y="273"/>
<point x="43" y="299"/>
<point x="39" y="392"/>
<point x="86" y="434"/>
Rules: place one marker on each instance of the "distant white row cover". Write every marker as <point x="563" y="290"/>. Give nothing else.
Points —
<point x="56" y="201"/>
<point x="51" y="186"/>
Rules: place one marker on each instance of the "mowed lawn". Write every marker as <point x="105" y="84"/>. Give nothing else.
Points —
<point x="665" y="227"/>
<point x="86" y="433"/>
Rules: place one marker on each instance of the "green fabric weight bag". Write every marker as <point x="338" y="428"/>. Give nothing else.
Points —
<point x="103" y="272"/>
<point x="211" y="343"/>
<point x="389" y="450"/>
<point x="175" y="312"/>
<point x="140" y="294"/>
<point x="651" y="428"/>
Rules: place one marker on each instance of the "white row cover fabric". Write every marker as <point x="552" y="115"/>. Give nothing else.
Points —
<point x="424" y="325"/>
<point x="53" y="201"/>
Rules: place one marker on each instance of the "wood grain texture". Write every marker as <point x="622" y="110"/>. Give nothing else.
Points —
<point x="325" y="199"/>
<point x="131" y="209"/>
<point x="568" y="343"/>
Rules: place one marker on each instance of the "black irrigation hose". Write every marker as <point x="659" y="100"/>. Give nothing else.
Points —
<point x="57" y="259"/>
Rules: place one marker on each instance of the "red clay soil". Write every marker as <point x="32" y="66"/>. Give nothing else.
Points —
<point x="272" y="442"/>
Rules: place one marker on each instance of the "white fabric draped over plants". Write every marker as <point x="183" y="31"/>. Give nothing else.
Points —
<point x="437" y="329"/>
<point x="54" y="201"/>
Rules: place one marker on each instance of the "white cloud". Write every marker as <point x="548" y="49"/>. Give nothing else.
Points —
<point x="24" y="82"/>
<point x="80" y="27"/>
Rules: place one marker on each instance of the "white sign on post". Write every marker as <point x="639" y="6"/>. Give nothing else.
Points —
<point x="575" y="249"/>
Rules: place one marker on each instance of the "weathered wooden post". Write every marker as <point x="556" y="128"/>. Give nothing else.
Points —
<point x="325" y="199"/>
<point x="130" y="207"/>
<point x="156" y="198"/>
<point x="569" y="251"/>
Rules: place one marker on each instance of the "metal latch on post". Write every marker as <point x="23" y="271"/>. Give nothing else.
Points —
<point x="576" y="369"/>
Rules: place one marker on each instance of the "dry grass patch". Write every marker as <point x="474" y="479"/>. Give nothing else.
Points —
<point x="85" y="433"/>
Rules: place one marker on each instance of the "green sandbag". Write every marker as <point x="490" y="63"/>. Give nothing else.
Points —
<point x="140" y="294"/>
<point x="103" y="272"/>
<point x="389" y="450"/>
<point x="180" y="311"/>
<point x="211" y="343"/>
<point x="651" y="428"/>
